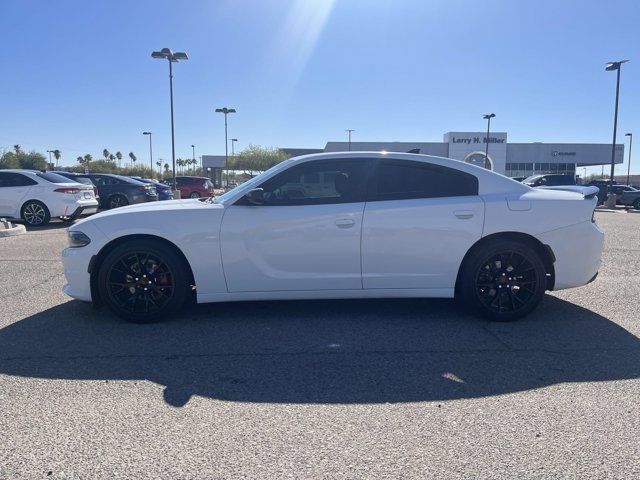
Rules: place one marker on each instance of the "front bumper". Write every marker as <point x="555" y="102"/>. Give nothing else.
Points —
<point x="75" y="262"/>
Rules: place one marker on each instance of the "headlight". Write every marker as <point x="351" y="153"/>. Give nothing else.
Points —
<point x="78" y="239"/>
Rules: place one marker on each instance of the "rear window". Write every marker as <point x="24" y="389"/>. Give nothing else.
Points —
<point x="130" y="180"/>
<point x="53" y="177"/>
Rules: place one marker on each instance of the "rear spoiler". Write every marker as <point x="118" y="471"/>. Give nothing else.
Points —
<point x="586" y="191"/>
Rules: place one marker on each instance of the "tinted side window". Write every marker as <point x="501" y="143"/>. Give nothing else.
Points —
<point x="319" y="182"/>
<point x="401" y="179"/>
<point x="101" y="181"/>
<point x="10" y="179"/>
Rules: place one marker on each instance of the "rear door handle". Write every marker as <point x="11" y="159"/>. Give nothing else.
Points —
<point x="464" y="214"/>
<point x="345" y="222"/>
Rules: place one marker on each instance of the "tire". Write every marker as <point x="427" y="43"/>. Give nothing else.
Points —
<point x="143" y="281"/>
<point x="194" y="195"/>
<point x="503" y="280"/>
<point x="636" y="204"/>
<point x="117" y="201"/>
<point x="35" y="213"/>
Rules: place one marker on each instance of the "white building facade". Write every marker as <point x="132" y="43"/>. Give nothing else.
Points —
<point x="510" y="159"/>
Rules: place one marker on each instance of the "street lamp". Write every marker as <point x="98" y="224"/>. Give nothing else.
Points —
<point x="49" y="152"/>
<point x="171" y="57"/>
<point x="193" y="155"/>
<point x="610" y="67"/>
<point x="349" y="131"/>
<point x="233" y="141"/>
<point x="630" y="135"/>
<point x="226" y="111"/>
<point x="150" y="150"/>
<point x="488" y="118"/>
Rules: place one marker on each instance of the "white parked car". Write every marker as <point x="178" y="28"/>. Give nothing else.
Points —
<point x="37" y="197"/>
<point x="377" y="225"/>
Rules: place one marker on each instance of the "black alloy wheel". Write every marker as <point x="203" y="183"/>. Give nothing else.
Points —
<point x="142" y="281"/>
<point x="118" y="201"/>
<point x="636" y="204"/>
<point x="194" y="195"/>
<point x="35" y="214"/>
<point x="504" y="281"/>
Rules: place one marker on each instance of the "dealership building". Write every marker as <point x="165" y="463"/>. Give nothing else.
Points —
<point x="510" y="159"/>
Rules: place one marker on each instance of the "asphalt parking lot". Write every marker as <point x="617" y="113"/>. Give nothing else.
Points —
<point x="335" y="390"/>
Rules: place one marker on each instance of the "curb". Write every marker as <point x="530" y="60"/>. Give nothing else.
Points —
<point x="13" y="231"/>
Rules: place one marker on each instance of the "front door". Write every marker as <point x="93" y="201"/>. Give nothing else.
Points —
<point x="419" y="222"/>
<point x="304" y="236"/>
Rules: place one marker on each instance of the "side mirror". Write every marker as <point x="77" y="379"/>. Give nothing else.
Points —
<point x="255" y="196"/>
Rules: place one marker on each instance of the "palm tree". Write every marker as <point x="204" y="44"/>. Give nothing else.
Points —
<point x="112" y="157"/>
<point x="105" y="154"/>
<point x="18" y="149"/>
<point x="159" y="164"/>
<point x="133" y="158"/>
<point x="166" y="168"/>
<point x="57" y="154"/>
<point x="80" y="160"/>
<point x="88" y="158"/>
<point x="119" y="157"/>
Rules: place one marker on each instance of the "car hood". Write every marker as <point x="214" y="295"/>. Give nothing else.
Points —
<point x="154" y="207"/>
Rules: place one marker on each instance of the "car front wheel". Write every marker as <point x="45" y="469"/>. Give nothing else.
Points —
<point x="35" y="214"/>
<point x="194" y="195"/>
<point x="118" y="201"/>
<point x="503" y="280"/>
<point x="636" y="204"/>
<point x="143" y="281"/>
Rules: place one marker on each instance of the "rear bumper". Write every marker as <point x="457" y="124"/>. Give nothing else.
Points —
<point x="69" y="207"/>
<point x="578" y="252"/>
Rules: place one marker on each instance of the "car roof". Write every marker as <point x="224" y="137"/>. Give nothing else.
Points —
<point x="490" y="182"/>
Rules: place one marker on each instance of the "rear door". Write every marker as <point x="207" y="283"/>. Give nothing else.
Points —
<point x="419" y="221"/>
<point x="14" y="188"/>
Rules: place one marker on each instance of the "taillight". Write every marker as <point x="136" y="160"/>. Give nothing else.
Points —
<point x="70" y="190"/>
<point x="143" y="188"/>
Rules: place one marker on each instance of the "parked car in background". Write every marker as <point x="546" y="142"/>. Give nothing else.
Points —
<point x="518" y="179"/>
<point x="37" y="197"/>
<point x="603" y="186"/>
<point x="627" y="196"/>
<point x="192" y="187"/>
<point x="118" y="191"/>
<point x="77" y="178"/>
<point x="164" y="191"/>
<point x="549" y="180"/>
<point x="378" y="225"/>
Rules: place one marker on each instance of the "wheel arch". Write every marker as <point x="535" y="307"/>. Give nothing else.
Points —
<point x="96" y="260"/>
<point x="23" y="204"/>
<point x="545" y="252"/>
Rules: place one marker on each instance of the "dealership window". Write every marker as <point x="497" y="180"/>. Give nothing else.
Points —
<point x="479" y="159"/>
<point x="401" y="180"/>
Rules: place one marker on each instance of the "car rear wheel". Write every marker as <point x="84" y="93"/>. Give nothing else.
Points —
<point x="35" y="213"/>
<point x="118" y="201"/>
<point x="503" y="280"/>
<point x="143" y="281"/>
<point x="195" y="195"/>
<point x="636" y="204"/>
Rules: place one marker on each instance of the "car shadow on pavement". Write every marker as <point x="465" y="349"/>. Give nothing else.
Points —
<point x="347" y="351"/>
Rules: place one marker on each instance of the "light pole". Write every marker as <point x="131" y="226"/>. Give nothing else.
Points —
<point x="49" y="152"/>
<point x="488" y="118"/>
<point x="171" y="57"/>
<point x="349" y="131"/>
<point x="150" y="150"/>
<point x="630" y="135"/>
<point x="226" y="111"/>
<point x="233" y="141"/>
<point x="193" y="156"/>
<point x="617" y="66"/>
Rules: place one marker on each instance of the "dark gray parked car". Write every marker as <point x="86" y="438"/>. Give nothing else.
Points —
<point x="118" y="191"/>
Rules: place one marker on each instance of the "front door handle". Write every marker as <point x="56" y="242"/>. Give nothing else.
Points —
<point x="345" y="222"/>
<point x="464" y="214"/>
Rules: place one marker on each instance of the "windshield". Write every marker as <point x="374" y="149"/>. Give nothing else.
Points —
<point x="247" y="185"/>
<point x="531" y="179"/>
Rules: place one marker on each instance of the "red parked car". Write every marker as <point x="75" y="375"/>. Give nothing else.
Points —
<point x="192" y="187"/>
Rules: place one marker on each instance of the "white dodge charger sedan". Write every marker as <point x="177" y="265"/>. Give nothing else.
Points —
<point x="342" y="225"/>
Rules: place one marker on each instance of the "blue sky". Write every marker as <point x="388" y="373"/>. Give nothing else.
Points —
<point x="78" y="75"/>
